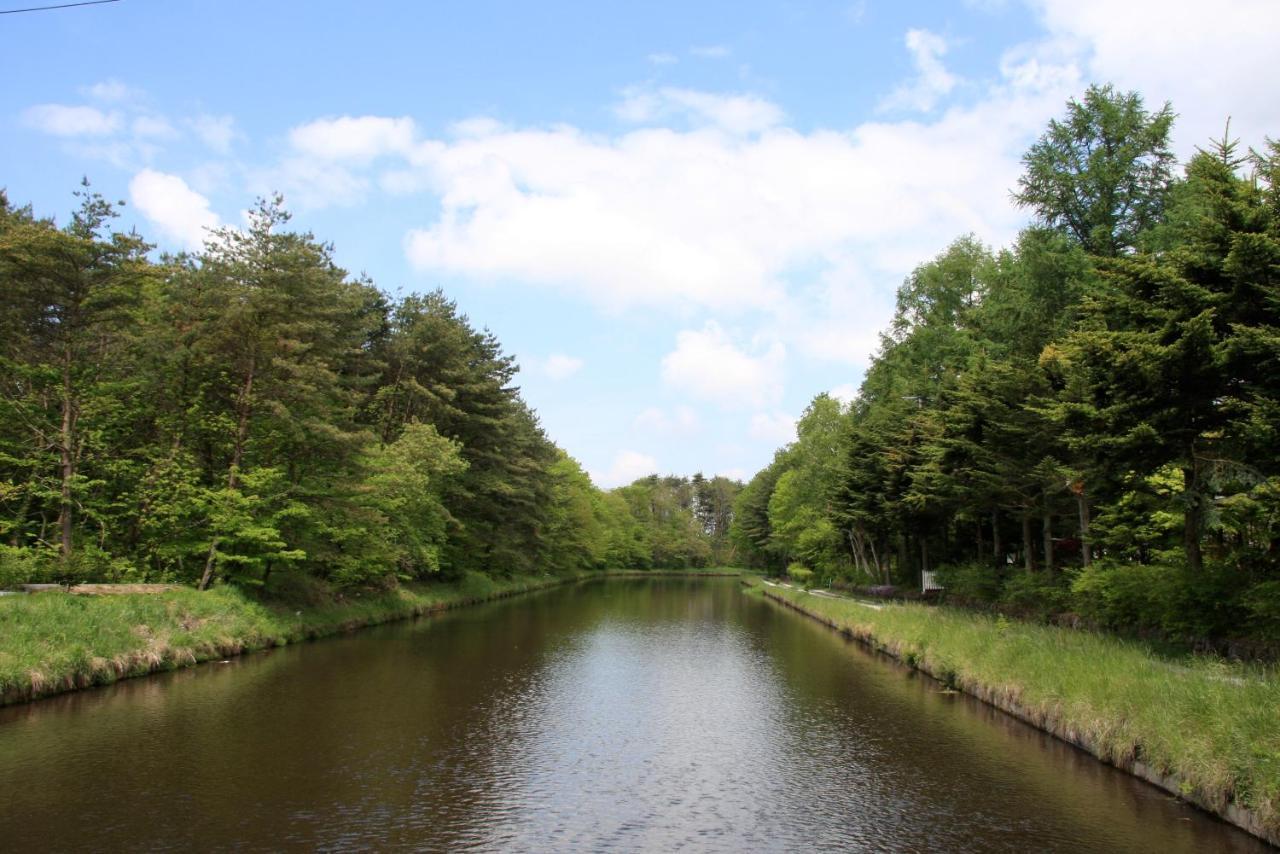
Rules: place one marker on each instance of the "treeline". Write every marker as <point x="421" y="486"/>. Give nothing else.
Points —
<point x="1087" y="421"/>
<point x="254" y="409"/>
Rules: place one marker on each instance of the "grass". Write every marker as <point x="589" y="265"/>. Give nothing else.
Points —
<point x="53" y="642"/>
<point x="1212" y="725"/>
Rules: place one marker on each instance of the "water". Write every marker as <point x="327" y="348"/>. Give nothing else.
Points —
<point x="628" y="715"/>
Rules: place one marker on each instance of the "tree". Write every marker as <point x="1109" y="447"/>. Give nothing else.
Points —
<point x="1162" y="351"/>
<point x="1101" y="174"/>
<point x="68" y="297"/>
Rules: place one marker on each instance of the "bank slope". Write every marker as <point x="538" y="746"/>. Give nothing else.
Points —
<point x="54" y="642"/>
<point x="1203" y="729"/>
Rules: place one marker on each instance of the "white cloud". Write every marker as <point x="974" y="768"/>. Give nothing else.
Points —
<point x="707" y="364"/>
<point x="662" y="59"/>
<point x="62" y="120"/>
<point x="1210" y="64"/>
<point x="701" y="219"/>
<point x="681" y="421"/>
<point x="217" y="132"/>
<point x="353" y="138"/>
<point x="846" y="393"/>
<point x="560" y="367"/>
<point x="152" y="127"/>
<point x="711" y="51"/>
<point x="110" y="91"/>
<point x="178" y="211"/>
<point x="627" y="466"/>
<point x="777" y="428"/>
<point x="735" y="114"/>
<point x="932" y="80"/>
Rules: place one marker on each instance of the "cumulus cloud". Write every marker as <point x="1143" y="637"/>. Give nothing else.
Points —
<point x="353" y="138"/>
<point x="846" y="393"/>
<point x="558" y="366"/>
<point x="216" y="132"/>
<point x="152" y="127"/>
<point x="735" y="114"/>
<point x="110" y="91"/>
<point x="681" y="421"/>
<point x="662" y="59"/>
<point x="932" y="81"/>
<point x="1210" y="65"/>
<point x="777" y="428"/>
<point x="68" y="121"/>
<point x="704" y="219"/>
<point x="178" y="211"/>
<point x="627" y="466"/>
<point x="707" y="364"/>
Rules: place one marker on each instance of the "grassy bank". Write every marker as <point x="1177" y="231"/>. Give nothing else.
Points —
<point x="1207" y="730"/>
<point x="54" y="642"/>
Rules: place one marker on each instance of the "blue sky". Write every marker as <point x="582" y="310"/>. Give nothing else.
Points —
<point x="684" y="219"/>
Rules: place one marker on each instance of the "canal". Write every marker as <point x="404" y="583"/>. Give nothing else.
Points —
<point x="628" y="715"/>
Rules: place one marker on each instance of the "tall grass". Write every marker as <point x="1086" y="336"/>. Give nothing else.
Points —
<point x="1212" y="724"/>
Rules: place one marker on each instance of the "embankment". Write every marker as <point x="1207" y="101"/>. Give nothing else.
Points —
<point x="53" y="642"/>
<point x="1203" y="730"/>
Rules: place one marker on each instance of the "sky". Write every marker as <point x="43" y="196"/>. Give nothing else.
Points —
<point x="684" y="219"/>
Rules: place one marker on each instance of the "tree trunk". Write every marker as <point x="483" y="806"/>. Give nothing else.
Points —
<point x="1191" y="519"/>
<point x="924" y="554"/>
<point x="997" y="547"/>
<point x="244" y="406"/>
<point x="1028" y="549"/>
<point x="1047" y="528"/>
<point x="20" y="521"/>
<point x="1082" y="503"/>
<point x="66" y="441"/>
<point x="977" y="531"/>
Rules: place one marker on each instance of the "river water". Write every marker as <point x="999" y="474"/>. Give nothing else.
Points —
<point x="628" y="715"/>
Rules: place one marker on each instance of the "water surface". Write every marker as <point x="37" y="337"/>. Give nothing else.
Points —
<point x="628" y="715"/>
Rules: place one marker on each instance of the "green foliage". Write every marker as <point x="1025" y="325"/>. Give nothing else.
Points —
<point x="1263" y="604"/>
<point x="19" y="566"/>
<point x="1038" y="595"/>
<point x="672" y="526"/>
<point x="1169" y="599"/>
<point x="800" y="574"/>
<point x="1100" y="398"/>
<point x="253" y="413"/>
<point x="970" y="583"/>
<point x="1101" y="173"/>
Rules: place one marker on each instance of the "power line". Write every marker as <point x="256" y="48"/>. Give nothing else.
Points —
<point x="62" y="6"/>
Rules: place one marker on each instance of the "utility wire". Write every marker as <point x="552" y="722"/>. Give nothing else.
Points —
<point x="62" y="6"/>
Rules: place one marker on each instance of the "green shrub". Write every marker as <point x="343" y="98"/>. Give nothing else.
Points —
<point x="21" y="566"/>
<point x="476" y="585"/>
<point x="1171" y="599"/>
<point x="1263" y="604"/>
<point x="1037" y="594"/>
<point x="970" y="582"/>
<point x="1122" y="595"/>
<point x="800" y="574"/>
<point x="18" y="566"/>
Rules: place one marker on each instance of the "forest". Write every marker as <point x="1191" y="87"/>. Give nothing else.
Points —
<point x="1082" y="425"/>
<point x="254" y="409"/>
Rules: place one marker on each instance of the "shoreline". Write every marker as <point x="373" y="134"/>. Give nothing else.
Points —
<point x="1048" y="720"/>
<point x="184" y="627"/>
